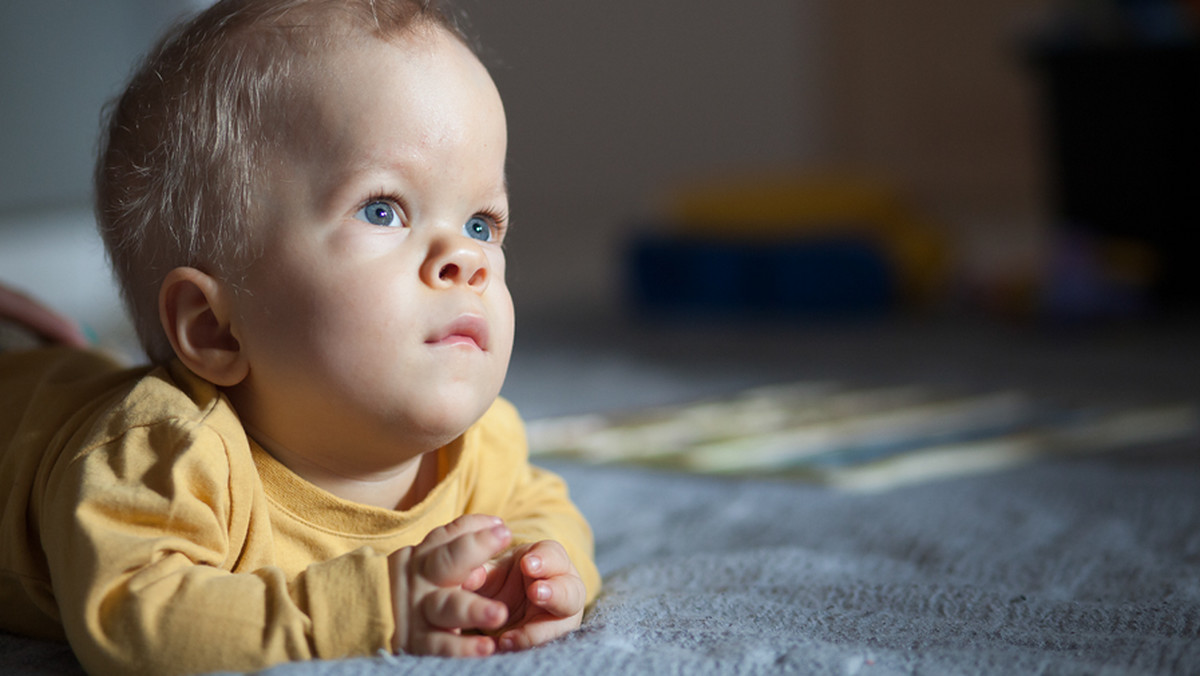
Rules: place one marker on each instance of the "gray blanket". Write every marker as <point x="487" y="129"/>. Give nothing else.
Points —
<point x="1068" y="567"/>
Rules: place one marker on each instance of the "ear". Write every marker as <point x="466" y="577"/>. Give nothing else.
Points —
<point x="195" y="310"/>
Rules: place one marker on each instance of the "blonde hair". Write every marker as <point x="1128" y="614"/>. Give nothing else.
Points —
<point x="190" y="140"/>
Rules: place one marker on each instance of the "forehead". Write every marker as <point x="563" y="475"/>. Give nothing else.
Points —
<point x="424" y="85"/>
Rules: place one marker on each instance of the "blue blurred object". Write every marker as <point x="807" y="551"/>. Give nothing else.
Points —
<point x="1113" y="22"/>
<point x="810" y="277"/>
<point x="1157" y="21"/>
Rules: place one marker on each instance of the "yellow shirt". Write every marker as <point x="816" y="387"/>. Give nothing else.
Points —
<point x="139" y="522"/>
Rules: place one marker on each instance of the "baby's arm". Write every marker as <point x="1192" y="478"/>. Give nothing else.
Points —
<point x="161" y="562"/>
<point x="553" y="542"/>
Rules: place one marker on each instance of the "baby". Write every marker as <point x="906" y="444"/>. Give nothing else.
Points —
<point x="305" y="202"/>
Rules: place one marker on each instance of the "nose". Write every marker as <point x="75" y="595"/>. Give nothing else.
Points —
<point x="455" y="261"/>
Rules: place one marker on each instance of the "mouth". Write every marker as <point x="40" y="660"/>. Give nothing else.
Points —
<point x="468" y="331"/>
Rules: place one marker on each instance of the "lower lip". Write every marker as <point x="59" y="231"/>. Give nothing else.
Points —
<point x="453" y="341"/>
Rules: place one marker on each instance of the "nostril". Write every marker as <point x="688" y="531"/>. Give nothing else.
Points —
<point x="453" y="269"/>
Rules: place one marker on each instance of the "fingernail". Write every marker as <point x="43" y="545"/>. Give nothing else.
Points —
<point x="506" y="644"/>
<point x="501" y="532"/>
<point x="543" y="592"/>
<point x="534" y="564"/>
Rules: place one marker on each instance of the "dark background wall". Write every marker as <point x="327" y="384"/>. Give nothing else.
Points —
<point x="613" y="105"/>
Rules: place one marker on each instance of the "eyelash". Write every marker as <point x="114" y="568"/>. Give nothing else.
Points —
<point x="497" y="217"/>
<point x="394" y="202"/>
<point x="499" y="221"/>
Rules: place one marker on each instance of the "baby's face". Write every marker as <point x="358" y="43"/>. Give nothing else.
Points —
<point x="378" y="321"/>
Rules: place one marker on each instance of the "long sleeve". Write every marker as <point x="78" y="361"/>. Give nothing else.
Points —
<point x="161" y="558"/>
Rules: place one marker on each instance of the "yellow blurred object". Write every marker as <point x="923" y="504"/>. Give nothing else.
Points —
<point x="793" y="205"/>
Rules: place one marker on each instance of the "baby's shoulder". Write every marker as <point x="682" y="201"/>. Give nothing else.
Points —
<point x="171" y="409"/>
<point x="47" y="392"/>
<point x="65" y="403"/>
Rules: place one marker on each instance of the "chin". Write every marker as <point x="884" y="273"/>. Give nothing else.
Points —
<point x="442" y="426"/>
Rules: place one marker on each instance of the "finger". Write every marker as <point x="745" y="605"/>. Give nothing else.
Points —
<point x="476" y="579"/>
<point x="536" y="632"/>
<point x="505" y="581"/>
<point x="561" y="596"/>
<point x="464" y="524"/>
<point x="452" y="563"/>
<point x="447" y="644"/>
<point x="458" y="609"/>
<point x="546" y="559"/>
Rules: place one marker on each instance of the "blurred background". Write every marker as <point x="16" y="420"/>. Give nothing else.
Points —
<point x="773" y="159"/>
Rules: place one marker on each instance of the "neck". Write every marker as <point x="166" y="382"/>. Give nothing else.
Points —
<point x="400" y="487"/>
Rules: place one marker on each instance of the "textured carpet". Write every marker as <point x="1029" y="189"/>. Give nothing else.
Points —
<point x="1071" y="567"/>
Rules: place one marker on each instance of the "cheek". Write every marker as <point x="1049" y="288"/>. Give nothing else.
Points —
<point x="503" y="311"/>
<point x="504" y="343"/>
<point x="284" y="309"/>
<point x="497" y="263"/>
<point x="315" y="347"/>
<point x="337" y="325"/>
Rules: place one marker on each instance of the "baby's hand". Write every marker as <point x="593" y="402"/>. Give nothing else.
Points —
<point x="431" y="589"/>
<point x="542" y="591"/>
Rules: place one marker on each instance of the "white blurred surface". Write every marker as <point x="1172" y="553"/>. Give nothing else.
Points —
<point x="57" y="258"/>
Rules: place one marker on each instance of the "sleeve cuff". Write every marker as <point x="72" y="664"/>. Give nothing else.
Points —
<point x="350" y="605"/>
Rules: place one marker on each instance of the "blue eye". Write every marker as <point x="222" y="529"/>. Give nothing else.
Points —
<point x="380" y="212"/>
<point x="478" y="228"/>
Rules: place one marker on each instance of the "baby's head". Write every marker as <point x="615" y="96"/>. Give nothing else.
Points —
<point x="189" y="144"/>
<point x="305" y="202"/>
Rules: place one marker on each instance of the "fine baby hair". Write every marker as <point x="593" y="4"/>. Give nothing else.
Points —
<point x="203" y="119"/>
